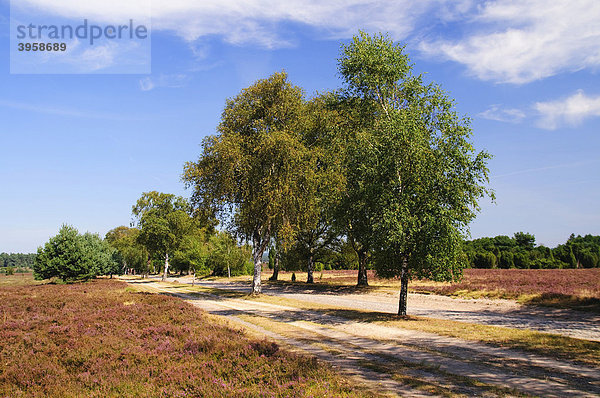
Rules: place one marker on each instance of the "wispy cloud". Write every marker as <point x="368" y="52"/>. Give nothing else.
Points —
<point x="545" y="168"/>
<point x="526" y="40"/>
<point x="496" y="112"/>
<point x="64" y="111"/>
<point x="261" y="22"/>
<point x="171" y="81"/>
<point x="570" y="111"/>
<point x="504" y="41"/>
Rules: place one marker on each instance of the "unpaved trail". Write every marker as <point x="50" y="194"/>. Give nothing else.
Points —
<point x="404" y="362"/>
<point x="582" y="325"/>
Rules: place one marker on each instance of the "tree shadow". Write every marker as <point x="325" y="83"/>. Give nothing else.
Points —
<point x="321" y="288"/>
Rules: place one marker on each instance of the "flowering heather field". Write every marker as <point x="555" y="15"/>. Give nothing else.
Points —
<point x="98" y="339"/>
<point x="507" y="283"/>
<point x="516" y="282"/>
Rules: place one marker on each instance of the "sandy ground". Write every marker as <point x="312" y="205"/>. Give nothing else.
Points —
<point x="397" y="361"/>
<point x="507" y="313"/>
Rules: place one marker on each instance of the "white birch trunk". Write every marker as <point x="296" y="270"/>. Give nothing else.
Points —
<point x="166" y="267"/>
<point x="257" y="257"/>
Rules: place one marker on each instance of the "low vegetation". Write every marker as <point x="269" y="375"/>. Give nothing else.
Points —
<point x="102" y="339"/>
<point x="562" y="288"/>
<point x="566" y="288"/>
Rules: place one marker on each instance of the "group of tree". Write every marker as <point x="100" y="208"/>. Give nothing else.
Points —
<point x="17" y="260"/>
<point x="383" y="168"/>
<point x="520" y="251"/>
<point x="166" y="236"/>
<point x="71" y="256"/>
<point x="383" y="165"/>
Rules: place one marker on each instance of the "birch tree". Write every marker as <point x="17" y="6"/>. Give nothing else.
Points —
<point x="163" y="220"/>
<point x="255" y="171"/>
<point x="415" y="176"/>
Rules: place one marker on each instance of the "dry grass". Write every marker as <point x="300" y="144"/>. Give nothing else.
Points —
<point x="25" y="279"/>
<point x="561" y="288"/>
<point x="551" y="345"/>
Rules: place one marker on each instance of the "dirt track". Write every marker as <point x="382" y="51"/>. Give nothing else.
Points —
<point x="396" y="360"/>
<point x="507" y="313"/>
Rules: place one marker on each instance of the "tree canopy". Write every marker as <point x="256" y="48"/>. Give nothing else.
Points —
<point x="131" y="254"/>
<point x="384" y="164"/>
<point x="163" y="221"/>
<point x="17" y="260"/>
<point x="255" y="171"/>
<point x="414" y="176"/>
<point x="521" y="251"/>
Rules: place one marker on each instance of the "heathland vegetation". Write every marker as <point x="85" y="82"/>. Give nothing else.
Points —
<point x="101" y="339"/>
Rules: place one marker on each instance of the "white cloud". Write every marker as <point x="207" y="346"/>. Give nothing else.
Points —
<point x="519" y="41"/>
<point x="146" y="84"/>
<point x="260" y="21"/>
<point x="571" y="111"/>
<point x="515" y="41"/>
<point x="98" y="57"/>
<point x="66" y="111"/>
<point x="495" y="112"/>
<point x="172" y="81"/>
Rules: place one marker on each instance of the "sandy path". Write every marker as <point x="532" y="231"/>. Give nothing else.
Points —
<point x="443" y="362"/>
<point x="507" y="313"/>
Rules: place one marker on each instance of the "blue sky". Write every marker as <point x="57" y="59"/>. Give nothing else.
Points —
<point x="81" y="148"/>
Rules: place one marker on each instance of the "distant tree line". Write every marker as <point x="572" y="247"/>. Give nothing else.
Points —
<point x="17" y="260"/>
<point x="520" y="251"/>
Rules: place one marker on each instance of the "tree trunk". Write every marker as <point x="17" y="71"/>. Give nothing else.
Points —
<point x="257" y="257"/>
<point x="147" y="270"/>
<point x="166" y="267"/>
<point x="403" y="288"/>
<point x="258" y="248"/>
<point x="311" y="267"/>
<point x="362" y="268"/>
<point x="275" y="268"/>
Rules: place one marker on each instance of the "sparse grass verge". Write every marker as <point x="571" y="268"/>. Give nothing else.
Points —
<point x="550" y="345"/>
<point x="101" y="339"/>
<point x="577" y="289"/>
<point x="24" y="279"/>
<point x="405" y="372"/>
<point x="589" y="304"/>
